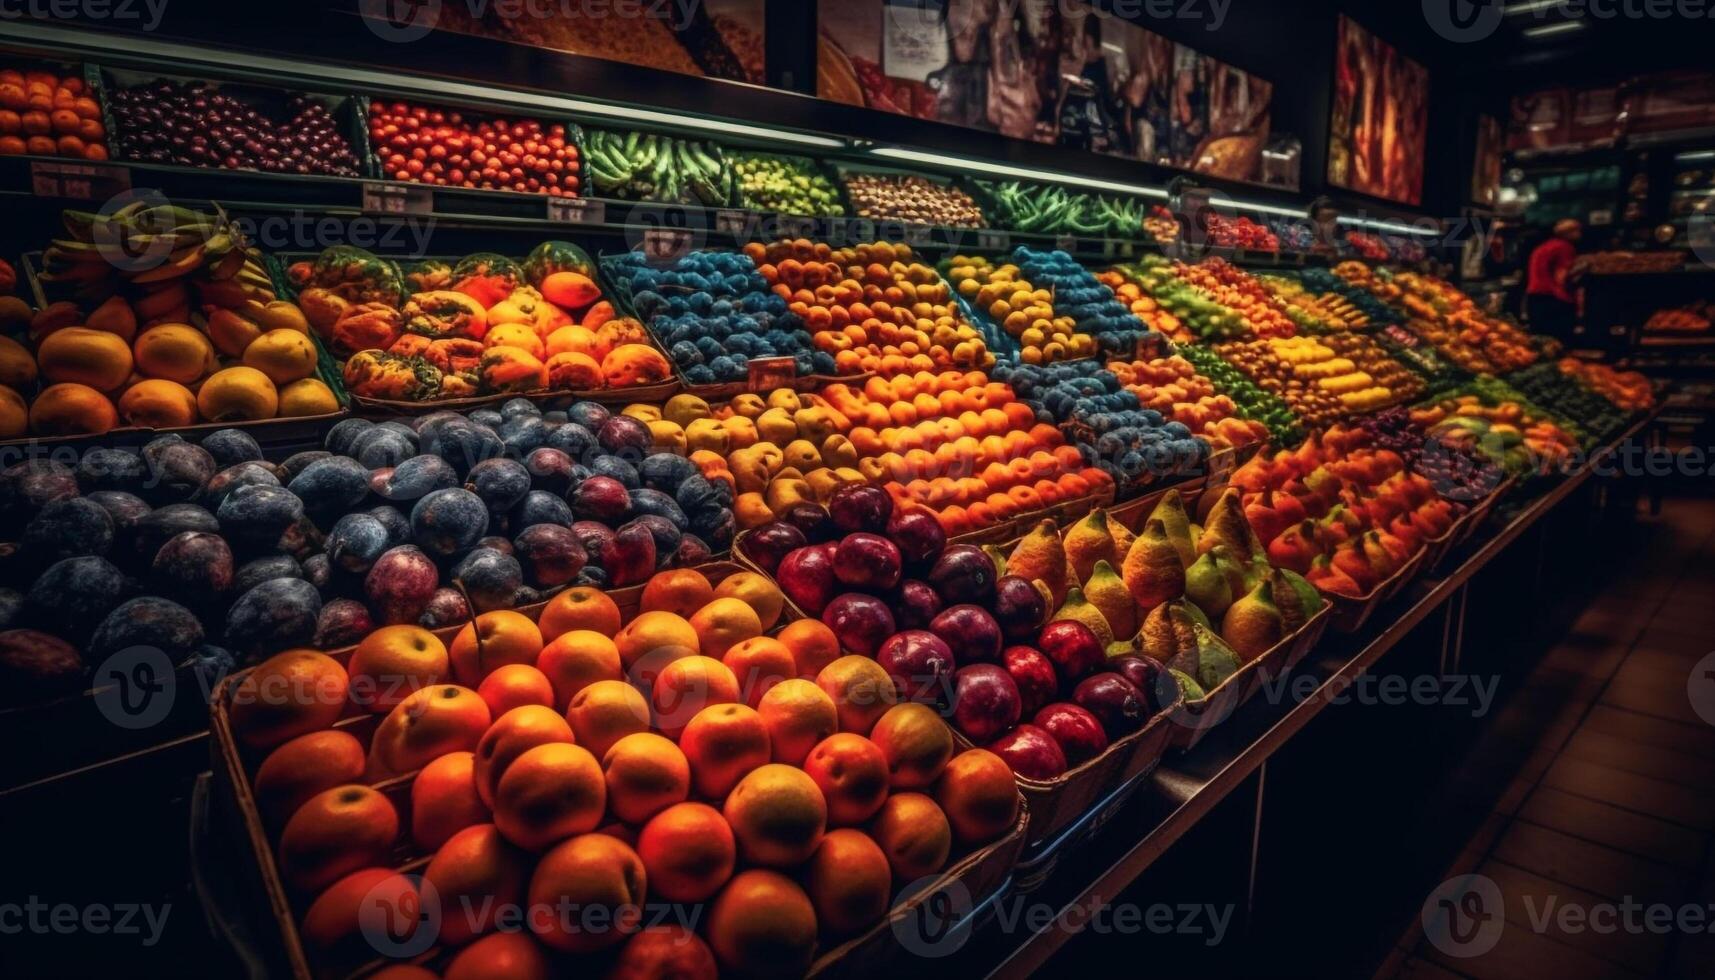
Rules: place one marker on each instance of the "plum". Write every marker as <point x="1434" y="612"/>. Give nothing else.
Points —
<point x="488" y="418"/>
<point x="462" y="443"/>
<point x="147" y="533"/>
<point x="178" y="470"/>
<point x="229" y="447"/>
<point x="356" y="542"/>
<point x="618" y="469"/>
<point x="666" y="471"/>
<point x="1019" y="607"/>
<point x="331" y="487"/>
<point x="963" y="574"/>
<point x="448" y="523"/>
<point x="279" y="614"/>
<point x="698" y="493"/>
<point x="397" y="524"/>
<point x="416" y="478"/>
<point x="74" y="595"/>
<point x="342" y="438"/>
<point x="716" y="525"/>
<point x="248" y="474"/>
<point x="590" y="415"/>
<point x="447" y="607"/>
<point x="298" y="462"/>
<point x="381" y="447"/>
<point x="625" y="437"/>
<point x="550" y="555"/>
<point x="812" y="521"/>
<point x="148" y="621"/>
<point x="12" y="607"/>
<point x="667" y="537"/>
<point x="490" y="578"/>
<point x="501" y="483"/>
<point x="68" y="528"/>
<point x="517" y="408"/>
<point x="577" y="442"/>
<point x="593" y="535"/>
<point x="26" y="486"/>
<point x="318" y="571"/>
<point x="550" y="470"/>
<point x="254" y="518"/>
<point x="523" y="434"/>
<point x="1116" y="703"/>
<point x="769" y="544"/>
<point x="254" y="573"/>
<point x="629" y="556"/>
<point x="195" y="567"/>
<point x="693" y="551"/>
<point x="541" y="507"/>
<point x="126" y="509"/>
<point x="36" y="667"/>
<point x="659" y="504"/>
<point x="400" y="585"/>
<point x="102" y="468"/>
<point x="601" y="498"/>
<point x="342" y="623"/>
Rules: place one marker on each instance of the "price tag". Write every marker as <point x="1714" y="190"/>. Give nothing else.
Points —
<point x="665" y="245"/>
<point x="993" y="242"/>
<point x="769" y="373"/>
<point x="398" y="198"/>
<point x="916" y="235"/>
<point x="78" y="181"/>
<point x="1066" y="243"/>
<point x="735" y="223"/>
<point x="577" y="210"/>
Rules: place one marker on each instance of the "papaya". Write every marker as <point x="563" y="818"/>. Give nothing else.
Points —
<point x="158" y="404"/>
<point x="635" y="365"/>
<point x="83" y="356"/>
<point x="175" y="352"/>
<point x="17" y="364"/>
<point x="571" y="371"/>
<point x="372" y="326"/>
<point x="446" y="314"/>
<point x="70" y="410"/>
<point x="511" y="369"/>
<point x="516" y="335"/>
<point x="238" y="394"/>
<point x="570" y="290"/>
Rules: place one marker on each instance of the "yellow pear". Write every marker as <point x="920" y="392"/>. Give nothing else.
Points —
<point x="1153" y="571"/>
<point x="1088" y="542"/>
<point x="1040" y="555"/>
<point x="1107" y="592"/>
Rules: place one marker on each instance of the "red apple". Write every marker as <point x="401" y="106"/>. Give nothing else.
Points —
<point x="1078" y="733"/>
<point x="918" y="605"/>
<point x="812" y="520"/>
<point x="867" y="561"/>
<point x="985" y="702"/>
<point x="1073" y="649"/>
<point x="919" y="663"/>
<point x="1019" y="608"/>
<point x="1031" y="752"/>
<point x="769" y="544"/>
<point x="963" y="573"/>
<point x="1034" y="675"/>
<point x="1149" y="676"/>
<point x="1115" y="702"/>
<point x="919" y="534"/>
<point x="970" y="631"/>
<point x="861" y="622"/>
<point x="807" y="577"/>
<point x="860" y="507"/>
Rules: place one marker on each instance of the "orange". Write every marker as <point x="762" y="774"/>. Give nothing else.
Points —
<point x="444" y="799"/>
<point x="511" y="735"/>
<point x="689" y="852"/>
<point x="914" y="834"/>
<point x="601" y="880"/>
<point x="580" y="608"/>
<point x="687" y="686"/>
<point x="721" y="743"/>
<point x="724" y="623"/>
<point x="549" y="793"/>
<point x="860" y="689"/>
<point x="852" y="775"/>
<point x="238" y="394"/>
<point x="664" y="951"/>
<point x="288" y="695"/>
<point x="757" y="592"/>
<point x="426" y="725"/>
<point x="777" y="814"/>
<point x="514" y="686"/>
<point x="79" y="355"/>
<point x="335" y="919"/>
<point x="500" y="956"/>
<point x="798" y="716"/>
<point x="605" y="712"/>
<point x="392" y="662"/>
<point x="476" y="874"/>
<point x="977" y="793"/>
<point x="576" y="659"/>
<point x="284" y="355"/>
<point x="813" y="645"/>
<point x="763" y="924"/>
<point x="307" y="765"/>
<point x="175" y="352"/>
<point x="916" y="743"/>
<point x="334" y="833"/>
<point x="494" y="640"/>
<point x="759" y="663"/>
<point x="680" y="591"/>
<point x="645" y="774"/>
<point x="158" y="404"/>
<point x="650" y="642"/>
<point x="849" y="882"/>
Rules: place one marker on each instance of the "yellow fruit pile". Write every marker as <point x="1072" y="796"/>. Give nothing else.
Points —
<point x="1022" y="310"/>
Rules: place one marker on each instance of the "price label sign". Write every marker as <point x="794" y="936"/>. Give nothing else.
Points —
<point x="664" y="246"/>
<point x="381" y="198"/>
<point x="769" y="373"/>
<point x="577" y="211"/>
<point x="78" y="181"/>
<point x="734" y="223"/>
<point x="994" y="242"/>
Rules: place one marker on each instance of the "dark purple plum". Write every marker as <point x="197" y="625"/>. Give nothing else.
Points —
<point x="247" y="474"/>
<point x="542" y="507"/>
<point x="446" y="607"/>
<point x="491" y="578"/>
<point x="178" y="470"/>
<point x="229" y="447"/>
<point x="550" y="555"/>
<point x="279" y="614"/>
<point x="601" y="498"/>
<point x="68" y="528"/>
<point x="148" y="621"/>
<point x="254" y="573"/>
<point x="355" y="543"/>
<point x="74" y="595"/>
<point x="448" y="523"/>
<point x="331" y="487"/>
<point x="342" y="623"/>
<point x="550" y="471"/>
<point x="194" y="567"/>
<point x="256" y="517"/>
<point x="501" y="483"/>
<point x="400" y="585"/>
<point x="103" y="468"/>
<point x="769" y="544"/>
<point x="416" y="478"/>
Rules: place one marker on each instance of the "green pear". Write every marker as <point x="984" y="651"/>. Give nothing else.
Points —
<point x="1188" y="685"/>
<point x="1170" y="511"/>
<point x="1206" y="585"/>
<point x="1209" y="660"/>
<point x="1295" y="597"/>
<point x="1079" y="610"/>
<point x="1253" y="624"/>
<point x="997" y="556"/>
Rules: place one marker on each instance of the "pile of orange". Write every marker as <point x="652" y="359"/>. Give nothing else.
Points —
<point x="873" y="307"/>
<point x="691" y="755"/>
<point x="45" y="114"/>
<point x="1171" y="386"/>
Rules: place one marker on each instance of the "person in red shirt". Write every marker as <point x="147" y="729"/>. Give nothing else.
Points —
<point x="1548" y="296"/>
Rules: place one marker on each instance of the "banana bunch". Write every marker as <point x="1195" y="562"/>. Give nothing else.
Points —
<point x="153" y="247"/>
<point x="656" y="168"/>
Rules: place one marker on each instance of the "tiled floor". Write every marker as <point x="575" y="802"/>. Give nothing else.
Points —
<point x="1613" y="795"/>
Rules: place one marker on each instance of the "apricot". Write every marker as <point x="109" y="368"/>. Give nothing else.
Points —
<point x="759" y="663"/>
<point x="514" y="686"/>
<point x="587" y="894"/>
<point x="913" y="832"/>
<point x="511" y="735"/>
<point x="653" y="640"/>
<point x="334" y="833"/>
<point x="576" y="659"/>
<point x="303" y="767"/>
<point x="666" y="950"/>
<point x="722" y="743"/>
<point x="861" y="690"/>
<point x="426" y="725"/>
<point x="798" y="715"/>
<point x="687" y="686"/>
<point x="335" y="919"/>
<point x="580" y="608"/>
<point x="496" y="638"/>
<point x="777" y="815"/>
<point x="680" y="591"/>
<point x="501" y="956"/>
<point x="762" y="924"/>
<point x="444" y="800"/>
<point x="849" y="882"/>
<point x="689" y="852"/>
<point x="549" y="793"/>
<point x="724" y="623"/>
<point x="977" y="792"/>
<point x="605" y="712"/>
<point x="813" y="644"/>
<point x="916" y="743"/>
<point x="392" y="662"/>
<point x="288" y="695"/>
<point x="645" y="774"/>
<point x="475" y="875"/>
<point x="852" y="774"/>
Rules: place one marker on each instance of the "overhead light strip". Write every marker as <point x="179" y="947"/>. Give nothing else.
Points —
<point x="1547" y="30"/>
<point x="1008" y="170"/>
<point x="1694" y="155"/>
<point x="1531" y="7"/>
<point x="1398" y="228"/>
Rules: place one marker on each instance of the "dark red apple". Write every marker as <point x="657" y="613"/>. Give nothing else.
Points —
<point x="1031" y="752"/>
<point x="1116" y="703"/>
<point x="1074" y="650"/>
<point x="867" y="561"/>
<point x="600" y="498"/>
<point x="919" y="663"/>
<point x="812" y="519"/>
<point x="593" y="535"/>
<point x="807" y="577"/>
<point x="1078" y="733"/>
<point x="860" y="507"/>
<point x="1034" y="675"/>
<point x="629" y="557"/>
<point x="771" y="542"/>
<point x="400" y="584"/>
<point x="919" y="534"/>
<point x="971" y="632"/>
<point x="963" y="573"/>
<point x="1149" y="676"/>
<point x="918" y="605"/>
<point x="985" y="702"/>
<point x="861" y="622"/>
<point x="1019" y="608"/>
